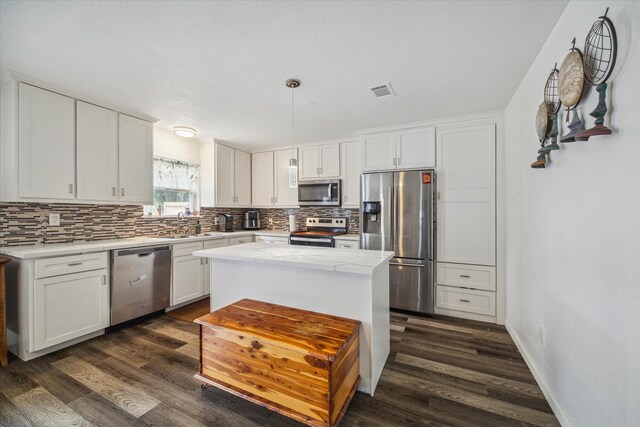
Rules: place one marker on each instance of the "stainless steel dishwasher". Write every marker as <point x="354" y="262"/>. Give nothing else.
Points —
<point x="140" y="282"/>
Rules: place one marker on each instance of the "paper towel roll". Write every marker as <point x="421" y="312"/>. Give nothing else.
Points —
<point x="293" y="223"/>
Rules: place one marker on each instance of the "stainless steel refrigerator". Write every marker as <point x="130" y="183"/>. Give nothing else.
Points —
<point x="397" y="214"/>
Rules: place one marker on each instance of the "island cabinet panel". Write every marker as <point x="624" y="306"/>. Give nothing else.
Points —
<point x="302" y="364"/>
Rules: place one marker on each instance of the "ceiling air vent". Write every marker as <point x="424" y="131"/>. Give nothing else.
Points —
<point x="382" y="91"/>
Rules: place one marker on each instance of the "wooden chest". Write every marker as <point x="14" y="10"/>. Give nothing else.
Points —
<point x="302" y="364"/>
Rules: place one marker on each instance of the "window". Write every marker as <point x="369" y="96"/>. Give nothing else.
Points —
<point x="175" y="187"/>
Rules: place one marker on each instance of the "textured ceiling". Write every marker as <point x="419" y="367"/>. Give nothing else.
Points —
<point x="220" y="66"/>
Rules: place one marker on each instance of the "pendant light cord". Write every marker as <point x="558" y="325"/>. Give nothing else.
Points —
<point x="293" y="144"/>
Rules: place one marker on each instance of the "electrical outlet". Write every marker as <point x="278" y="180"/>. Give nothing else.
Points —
<point x="270" y="221"/>
<point x="541" y="335"/>
<point x="216" y="221"/>
<point x="54" y="219"/>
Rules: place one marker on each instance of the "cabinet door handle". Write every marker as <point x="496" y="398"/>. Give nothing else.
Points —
<point x="71" y="188"/>
<point x="394" y="161"/>
<point x="104" y="279"/>
<point x="397" y="161"/>
<point x="122" y="192"/>
<point x="113" y="191"/>
<point x="466" y="276"/>
<point x="320" y="173"/>
<point x="464" y="300"/>
<point x="73" y="264"/>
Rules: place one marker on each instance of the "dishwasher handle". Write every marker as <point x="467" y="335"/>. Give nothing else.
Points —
<point x="142" y="252"/>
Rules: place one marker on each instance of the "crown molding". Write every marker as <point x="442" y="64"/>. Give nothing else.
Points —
<point x="487" y="115"/>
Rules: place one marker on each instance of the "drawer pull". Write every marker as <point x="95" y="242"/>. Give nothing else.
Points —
<point x="73" y="264"/>
<point x="466" y="276"/>
<point x="465" y="300"/>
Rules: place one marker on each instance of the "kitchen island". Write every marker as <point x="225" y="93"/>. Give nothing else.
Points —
<point x="341" y="282"/>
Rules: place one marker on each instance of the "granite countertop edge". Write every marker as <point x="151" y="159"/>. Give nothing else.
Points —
<point x="345" y="265"/>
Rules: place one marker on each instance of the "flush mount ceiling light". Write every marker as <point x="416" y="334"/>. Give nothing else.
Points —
<point x="184" y="131"/>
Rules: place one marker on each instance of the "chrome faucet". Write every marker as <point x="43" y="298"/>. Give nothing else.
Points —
<point x="179" y="222"/>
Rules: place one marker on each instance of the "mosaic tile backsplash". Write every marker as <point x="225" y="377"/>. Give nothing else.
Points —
<point x="27" y="223"/>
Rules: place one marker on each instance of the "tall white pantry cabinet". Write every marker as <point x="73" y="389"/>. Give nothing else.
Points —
<point x="466" y="220"/>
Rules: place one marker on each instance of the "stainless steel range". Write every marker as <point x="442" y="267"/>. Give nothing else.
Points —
<point x="320" y="232"/>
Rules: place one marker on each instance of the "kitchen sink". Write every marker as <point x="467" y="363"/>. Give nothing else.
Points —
<point x="180" y="236"/>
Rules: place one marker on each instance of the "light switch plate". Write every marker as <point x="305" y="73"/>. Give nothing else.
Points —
<point x="54" y="219"/>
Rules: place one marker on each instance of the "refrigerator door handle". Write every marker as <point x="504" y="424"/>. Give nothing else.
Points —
<point x="392" y="214"/>
<point x="406" y="265"/>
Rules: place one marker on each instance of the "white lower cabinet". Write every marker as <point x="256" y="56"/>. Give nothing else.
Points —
<point x="70" y="306"/>
<point x="347" y="244"/>
<point x="190" y="275"/>
<point x="467" y="300"/>
<point x="466" y="288"/>
<point x="210" y="244"/>
<point x="240" y="240"/>
<point x="478" y="277"/>
<point x="188" y="279"/>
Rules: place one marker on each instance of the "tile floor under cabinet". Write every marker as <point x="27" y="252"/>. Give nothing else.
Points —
<point x="441" y="371"/>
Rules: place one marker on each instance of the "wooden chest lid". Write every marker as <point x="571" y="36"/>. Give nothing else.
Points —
<point x="318" y="334"/>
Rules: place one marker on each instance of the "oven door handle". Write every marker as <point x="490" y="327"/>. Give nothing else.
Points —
<point x="307" y="239"/>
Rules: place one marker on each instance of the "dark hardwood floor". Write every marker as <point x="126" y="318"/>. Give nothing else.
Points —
<point x="440" y="371"/>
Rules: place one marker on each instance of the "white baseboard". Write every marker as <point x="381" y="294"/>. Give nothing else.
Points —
<point x="555" y="405"/>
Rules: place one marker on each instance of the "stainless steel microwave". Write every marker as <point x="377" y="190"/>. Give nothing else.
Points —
<point x="322" y="192"/>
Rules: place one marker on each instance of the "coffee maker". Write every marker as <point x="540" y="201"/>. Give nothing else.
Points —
<point x="251" y="220"/>
<point x="226" y="222"/>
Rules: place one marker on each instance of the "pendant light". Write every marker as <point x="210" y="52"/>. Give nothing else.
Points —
<point x="293" y="161"/>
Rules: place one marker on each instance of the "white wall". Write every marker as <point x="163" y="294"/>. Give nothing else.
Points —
<point x="573" y="236"/>
<point x="168" y="144"/>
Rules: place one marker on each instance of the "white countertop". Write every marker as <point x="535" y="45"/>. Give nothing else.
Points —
<point x="332" y="259"/>
<point x="55" y="249"/>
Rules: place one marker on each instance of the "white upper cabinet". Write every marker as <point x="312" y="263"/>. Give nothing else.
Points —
<point x="329" y="165"/>
<point x="270" y="177"/>
<point x="416" y="148"/>
<point x="351" y="159"/>
<point x="319" y="161"/>
<point x="225" y="176"/>
<point x="379" y="151"/>
<point x="262" y="178"/>
<point x="242" y="178"/>
<point x="97" y="152"/>
<point x="411" y="148"/>
<point x="47" y="158"/>
<point x="55" y="147"/>
<point x="284" y="196"/>
<point x="135" y="155"/>
<point x="309" y="161"/>
<point x="466" y="194"/>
